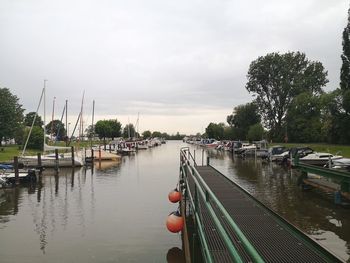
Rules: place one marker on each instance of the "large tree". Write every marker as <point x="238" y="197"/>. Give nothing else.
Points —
<point x="276" y="79"/>
<point x="108" y="129"/>
<point x="242" y="118"/>
<point x="345" y="57"/>
<point x="129" y="131"/>
<point x="215" y="131"/>
<point x="11" y="114"/>
<point x="56" y="128"/>
<point x="28" y="120"/>
<point x="146" y="134"/>
<point x="345" y="69"/>
<point x="304" y="119"/>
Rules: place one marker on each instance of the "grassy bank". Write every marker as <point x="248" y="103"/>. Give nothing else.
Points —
<point x="7" y="152"/>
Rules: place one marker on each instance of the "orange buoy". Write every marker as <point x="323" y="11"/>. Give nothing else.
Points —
<point x="174" y="196"/>
<point x="175" y="222"/>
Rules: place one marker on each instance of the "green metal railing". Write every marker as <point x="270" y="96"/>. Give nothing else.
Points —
<point x="202" y="190"/>
<point x="343" y="178"/>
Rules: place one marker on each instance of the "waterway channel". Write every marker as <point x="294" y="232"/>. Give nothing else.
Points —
<point x="117" y="212"/>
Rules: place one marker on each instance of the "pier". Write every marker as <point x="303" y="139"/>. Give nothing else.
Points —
<point x="233" y="226"/>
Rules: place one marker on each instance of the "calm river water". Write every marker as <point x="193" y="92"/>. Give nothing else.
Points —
<point x="117" y="212"/>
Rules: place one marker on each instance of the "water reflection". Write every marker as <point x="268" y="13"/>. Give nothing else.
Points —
<point x="175" y="255"/>
<point x="113" y="212"/>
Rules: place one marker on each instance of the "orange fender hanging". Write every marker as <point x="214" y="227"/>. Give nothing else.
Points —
<point x="175" y="222"/>
<point x="174" y="196"/>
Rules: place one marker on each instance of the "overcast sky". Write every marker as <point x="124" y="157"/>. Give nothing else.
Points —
<point x="179" y="64"/>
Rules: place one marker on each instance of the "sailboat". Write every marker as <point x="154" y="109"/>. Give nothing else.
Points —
<point x="49" y="160"/>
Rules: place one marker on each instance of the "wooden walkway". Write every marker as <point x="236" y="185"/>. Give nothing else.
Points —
<point x="273" y="238"/>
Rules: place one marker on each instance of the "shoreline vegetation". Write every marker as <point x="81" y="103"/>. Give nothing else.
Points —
<point x="7" y="152"/>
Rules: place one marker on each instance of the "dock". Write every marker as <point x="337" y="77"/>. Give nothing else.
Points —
<point x="233" y="226"/>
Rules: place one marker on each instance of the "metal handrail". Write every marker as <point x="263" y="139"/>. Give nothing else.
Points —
<point x="207" y="194"/>
<point x="202" y="237"/>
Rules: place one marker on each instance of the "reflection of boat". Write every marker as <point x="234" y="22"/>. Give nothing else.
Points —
<point x="7" y="177"/>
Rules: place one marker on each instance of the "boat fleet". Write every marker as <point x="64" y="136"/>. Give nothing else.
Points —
<point x="113" y="151"/>
<point x="277" y="153"/>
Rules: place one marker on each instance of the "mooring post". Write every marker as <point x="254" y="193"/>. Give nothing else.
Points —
<point x="15" y="165"/>
<point x="92" y="157"/>
<point x="56" y="160"/>
<point x="208" y="162"/>
<point x="40" y="166"/>
<point x="72" y="152"/>
<point x="110" y="148"/>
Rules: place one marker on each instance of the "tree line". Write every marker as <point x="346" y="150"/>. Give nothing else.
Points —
<point x="290" y="104"/>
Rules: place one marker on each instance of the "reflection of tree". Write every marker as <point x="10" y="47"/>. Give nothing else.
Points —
<point x="8" y="203"/>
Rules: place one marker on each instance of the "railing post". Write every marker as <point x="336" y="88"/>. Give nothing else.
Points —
<point x="195" y="199"/>
<point x="202" y="157"/>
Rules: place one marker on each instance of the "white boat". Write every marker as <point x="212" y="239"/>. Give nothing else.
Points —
<point x="141" y="145"/>
<point x="308" y="156"/>
<point x="49" y="161"/>
<point x="277" y="153"/>
<point x="246" y="148"/>
<point x="321" y="159"/>
<point x="341" y="164"/>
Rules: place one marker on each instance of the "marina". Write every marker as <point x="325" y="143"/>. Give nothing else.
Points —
<point x="110" y="209"/>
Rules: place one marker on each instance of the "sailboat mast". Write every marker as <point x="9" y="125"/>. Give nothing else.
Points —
<point x="128" y="128"/>
<point x="92" y="124"/>
<point x="45" y="80"/>
<point x="31" y="128"/>
<point x="81" y="117"/>
<point x="53" y="116"/>
<point x="67" y="123"/>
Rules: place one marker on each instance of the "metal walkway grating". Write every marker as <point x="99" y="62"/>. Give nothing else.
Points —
<point x="275" y="240"/>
